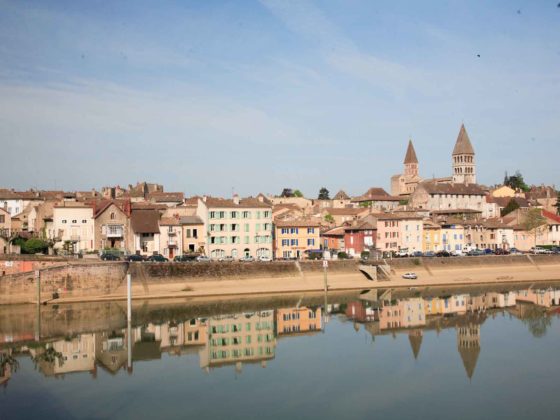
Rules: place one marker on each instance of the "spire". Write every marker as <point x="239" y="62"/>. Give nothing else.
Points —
<point x="469" y="356"/>
<point x="415" y="338"/>
<point x="410" y="154"/>
<point x="463" y="145"/>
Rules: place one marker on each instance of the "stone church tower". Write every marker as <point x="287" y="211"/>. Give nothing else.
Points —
<point x="404" y="184"/>
<point x="464" y="167"/>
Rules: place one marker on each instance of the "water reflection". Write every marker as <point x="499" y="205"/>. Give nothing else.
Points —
<point x="221" y="339"/>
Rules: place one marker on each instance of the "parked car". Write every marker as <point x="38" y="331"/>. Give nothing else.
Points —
<point x="501" y="251"/>
<point x="410" y="276"/>
<point x="418" y="254"/>
<point x="443" y="254"/>
<point x="227" y="258"/>
<point x="202" y="258"/>
<point x="135" y="258"/>
<point x="514" y="251"/>
<point x="475" y="252"/>
<point x="247" y="258"/>
<point x="262" y="258"/>
<point x="555" y="250"/>
<point x="488" y="251"/>
<point x="184" y="258"/>
<point x="401" y="254"/>
<point x="539" y="250"/>
<point x="457" y="253"/>
<point x="429" y="254"/>
<point x="157" y="258"/>
<point x="110" y="257"/>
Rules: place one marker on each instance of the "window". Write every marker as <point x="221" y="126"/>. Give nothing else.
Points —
<point x="2" y="218"/>
<point x="74" y="221"/>
<point x="294" y="242"/>
<point x="212" y="215"/>
<point x="266" y="214"/>
<point x="246" y="214"/>
<point x="285" y="242"/>
<point x="113" y="216"/>
<point x="64" y="221"/>
<point x="311" y="242"/>
<point x="188" y="233"/>
<point x="234" y="215"/>
<point x="310" y="230"/>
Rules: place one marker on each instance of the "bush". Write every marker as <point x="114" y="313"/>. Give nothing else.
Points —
<point x="415" y="261"/>
<point x="342" y="255"/>
<point x="34" y="246"/>
<point x="364" y="255"/>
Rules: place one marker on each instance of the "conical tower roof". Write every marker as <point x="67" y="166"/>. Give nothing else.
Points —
<point x="463" y="145"/>
<point x="469" y="355"/>
<point x="410" y="154"/>
<point x="415" y="338"/>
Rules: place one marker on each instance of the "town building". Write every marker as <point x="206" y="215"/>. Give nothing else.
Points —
<point x="194" y="234"/>
<point x="442" y="196"/>
<point x="377" y="199"/>
<point x="333" y="239"/>
<point x="300" y="320"/>
<point x="296" y="238"/>
<point x="360" y="236"/>
<point x="237" y="227"/>
<point x="73" y="226"/>
<point x="171" y="237"/>
<point x="397" y="232"/>
<point x="144" y="223"/>
<point x="112" y="225"/>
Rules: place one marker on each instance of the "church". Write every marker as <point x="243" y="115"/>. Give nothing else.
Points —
<point x="463" y="168"/>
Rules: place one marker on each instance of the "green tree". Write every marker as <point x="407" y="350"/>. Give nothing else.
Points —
<point x="516" y="182"/>
<point x="323" y="194"/>
<point x="34" y="245"/>
<point x="557" y="205"/>
<point x="533" y="222"/>
<point x="511" y="206"/>
<point x="298" y="193"/>
<point x="329" y="218"/>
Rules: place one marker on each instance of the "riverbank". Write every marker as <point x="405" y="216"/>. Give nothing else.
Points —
<point x="90" y="282"/>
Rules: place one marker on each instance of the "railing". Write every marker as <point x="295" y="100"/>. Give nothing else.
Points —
<point x="115" y="232"/>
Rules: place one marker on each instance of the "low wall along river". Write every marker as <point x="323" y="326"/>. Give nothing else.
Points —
<point x="61" y="278"/>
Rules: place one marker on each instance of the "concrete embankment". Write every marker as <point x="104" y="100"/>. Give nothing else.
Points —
<point x="73" y="281"/>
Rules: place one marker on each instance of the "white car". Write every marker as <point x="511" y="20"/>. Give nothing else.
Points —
<point x="226" y="259"/>
<point x="410" y="276"/>
<point x="247" y="258"/>
<point x="202" y="258"/>
<point x="264" y="259"/>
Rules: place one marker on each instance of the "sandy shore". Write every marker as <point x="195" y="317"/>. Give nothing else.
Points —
<point x="336" y="282"/>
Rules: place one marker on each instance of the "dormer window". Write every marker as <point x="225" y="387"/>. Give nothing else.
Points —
<point x="113" y="216"/>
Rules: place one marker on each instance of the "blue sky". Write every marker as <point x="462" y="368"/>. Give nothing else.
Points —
<point x="210" y="96"/>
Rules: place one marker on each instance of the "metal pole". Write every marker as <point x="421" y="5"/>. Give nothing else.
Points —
<point x="128" y="297"/>
<point x="129" y="346"/>
<point x="38" y="321"/>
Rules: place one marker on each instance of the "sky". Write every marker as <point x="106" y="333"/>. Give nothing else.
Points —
<point x="215" y="97"/>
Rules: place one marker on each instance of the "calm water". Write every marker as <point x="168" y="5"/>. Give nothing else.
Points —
<point x="469" y="353"/>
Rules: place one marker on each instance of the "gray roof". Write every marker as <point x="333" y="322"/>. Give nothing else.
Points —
<point x="190" y="220"/>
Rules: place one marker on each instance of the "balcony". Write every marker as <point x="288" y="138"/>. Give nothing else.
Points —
<point x="115" y="231"/>
<point x="171" y="243"/>
<point x="171" y="233"/>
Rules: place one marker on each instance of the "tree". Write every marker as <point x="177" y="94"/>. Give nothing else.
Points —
<point x="287" y="192"/>
<point x="329" y="218"/>
<point x="298" y="193"/>
<point x="516" y="182"/>
<point x="533" y="222"/>
<point x="34" y="246"/>
<point x="511" y="206"/>
<point x="323" y="194"/>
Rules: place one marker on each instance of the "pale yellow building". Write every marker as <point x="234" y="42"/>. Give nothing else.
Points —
<point x="294" y="237"/>
<point x="432" y="237"/>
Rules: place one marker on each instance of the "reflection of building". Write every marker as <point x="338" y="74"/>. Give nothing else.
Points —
<point x="5" y="366"/>
<point x="298" y="320"/>
<point x="67" y="356"/>
<point x="468" y="344"/>
<point x="406" y="313"/>
<point x="111" y="351"/>
<point x="239" y="338"/>
<point x="415" y="338"/>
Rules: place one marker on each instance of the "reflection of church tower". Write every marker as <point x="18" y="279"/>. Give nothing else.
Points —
<point x="415" y="338"/>
<point x="468" y="343"/>
<point x="464" y="167"/>
<point x="410" y="161"/>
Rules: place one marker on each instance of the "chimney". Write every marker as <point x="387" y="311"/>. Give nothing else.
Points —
<point x="236" y="199"/>
<point x="204" y="197"/>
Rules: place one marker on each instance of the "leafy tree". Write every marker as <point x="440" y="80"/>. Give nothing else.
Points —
<point x="34" y="245"/>
<point x="287" y="192"/>
<point x="329" y="218"/>
<point x="533" y="222"/>
<point x="323" y="194"/>
<point x="511" y="206"/>
<point x="298" y="193"/>
<point x="403" y="202"/>
<point x="516" y="182"/>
